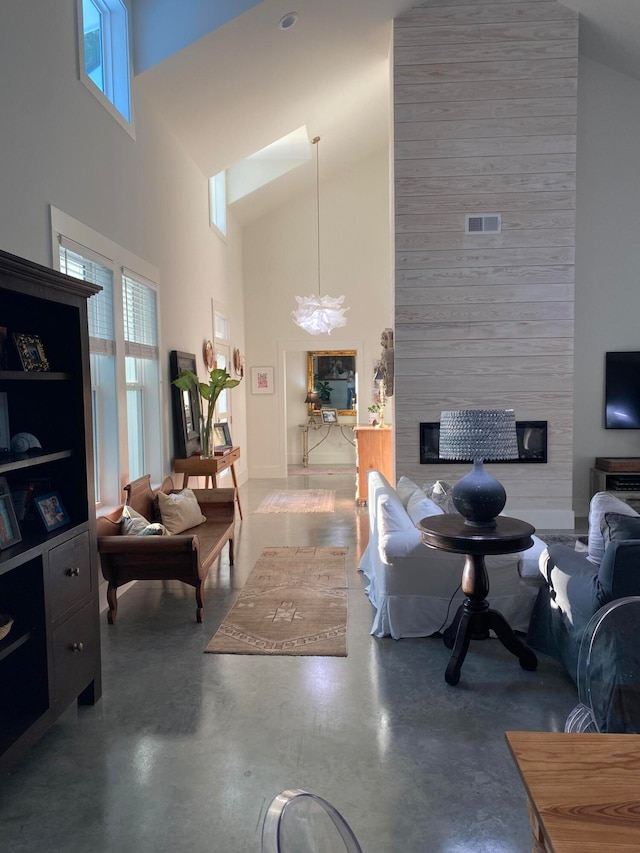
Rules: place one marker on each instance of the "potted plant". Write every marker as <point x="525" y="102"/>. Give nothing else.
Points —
<point x="377" y="410"/>
<point x="219" y="380"/>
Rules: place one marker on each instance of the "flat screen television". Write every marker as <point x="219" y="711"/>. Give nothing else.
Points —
<point x="622" y="390"/>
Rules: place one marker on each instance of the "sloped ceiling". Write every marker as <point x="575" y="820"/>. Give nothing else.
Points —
<point x="245" y="83"/>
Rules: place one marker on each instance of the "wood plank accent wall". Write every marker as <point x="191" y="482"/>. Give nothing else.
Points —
<point x="485" y="103"/>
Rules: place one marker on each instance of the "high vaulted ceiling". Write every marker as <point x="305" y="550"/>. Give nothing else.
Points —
<point x="244" y="83"/>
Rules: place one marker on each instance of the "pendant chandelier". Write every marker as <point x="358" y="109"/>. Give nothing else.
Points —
<point x="319" y="314"/>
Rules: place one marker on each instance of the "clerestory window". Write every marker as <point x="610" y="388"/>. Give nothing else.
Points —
<point x="104" y="55"/>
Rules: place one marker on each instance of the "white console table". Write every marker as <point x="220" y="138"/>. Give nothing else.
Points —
<point x="317" y="428"/>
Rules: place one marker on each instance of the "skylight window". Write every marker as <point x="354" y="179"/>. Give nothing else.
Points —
<point x="104" y="54"/>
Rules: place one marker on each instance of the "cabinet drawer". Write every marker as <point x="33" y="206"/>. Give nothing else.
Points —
<point x="70" y="575"/>
<point x="76" y="650"/>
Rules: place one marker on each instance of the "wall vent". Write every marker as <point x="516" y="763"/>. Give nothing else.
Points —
<point x="486" y="223"/>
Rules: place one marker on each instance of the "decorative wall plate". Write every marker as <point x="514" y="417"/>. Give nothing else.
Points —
<point x="238" y="363"/>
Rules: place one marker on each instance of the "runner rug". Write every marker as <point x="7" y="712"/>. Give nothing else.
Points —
<point x="299" y="500"/>
<point x="294" y="603"/>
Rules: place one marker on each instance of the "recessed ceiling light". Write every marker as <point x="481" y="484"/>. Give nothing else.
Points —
<point x="288" y="21"/>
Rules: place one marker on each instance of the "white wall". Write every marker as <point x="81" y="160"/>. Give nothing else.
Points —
<point x="607" y="295"/>
<point x="280" y="263"/>
<point x="61" y="148"/>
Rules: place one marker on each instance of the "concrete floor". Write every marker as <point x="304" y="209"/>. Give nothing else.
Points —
<point x="185" y="750"/>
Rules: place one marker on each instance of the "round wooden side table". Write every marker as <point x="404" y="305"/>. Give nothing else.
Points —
<point x="475" y="618"/>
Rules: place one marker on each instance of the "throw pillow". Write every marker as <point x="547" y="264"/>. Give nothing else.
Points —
<point x="616" y="526"/>
<point x="134" y="524"/>
<point x="421" y="507"/>
<point x="601" y="503"/>
<point x="441" y="494"/>
<point x="405" y="489"/>
<point x="180" y="511"/>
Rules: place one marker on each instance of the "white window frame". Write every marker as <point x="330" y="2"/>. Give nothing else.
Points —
<point x="116" y="97"/>
<point x="218" y="204"/>
<point x="114" y="460"/>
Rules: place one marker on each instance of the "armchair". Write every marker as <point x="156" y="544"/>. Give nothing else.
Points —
<point x="578" y="583"/>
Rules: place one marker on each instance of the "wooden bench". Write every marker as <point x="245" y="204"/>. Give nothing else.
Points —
<point x="186" y="556"/>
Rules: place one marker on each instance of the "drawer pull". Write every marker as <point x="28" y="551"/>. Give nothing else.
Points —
<point x="74" y="572"/>
<point x="77" y="647"/>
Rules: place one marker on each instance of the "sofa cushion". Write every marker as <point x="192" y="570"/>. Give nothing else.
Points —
<point x="440" y="493"/>
<point x="405" y="489"/>
<point x="601" y="503"/>
<point x="180" y="511"/>
<point x="421" y="507"/>
<point x="134" y="524"/>
<point x="616" y="526"/>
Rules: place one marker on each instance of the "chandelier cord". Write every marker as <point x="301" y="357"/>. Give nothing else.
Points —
<point x="315" y="142"/>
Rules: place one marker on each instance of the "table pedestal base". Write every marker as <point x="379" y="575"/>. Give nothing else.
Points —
<point x="475" y="619"/>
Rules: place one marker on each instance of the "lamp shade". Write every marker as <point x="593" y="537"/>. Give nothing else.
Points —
<point x="478" y="434"/>
<point x="312" y="397"/>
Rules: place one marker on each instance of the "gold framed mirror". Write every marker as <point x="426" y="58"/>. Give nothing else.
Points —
<point x="332" y="375"/>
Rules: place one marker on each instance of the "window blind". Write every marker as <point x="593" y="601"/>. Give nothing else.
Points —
<point x="140" y="318"/>
<point x="79" y="262"/>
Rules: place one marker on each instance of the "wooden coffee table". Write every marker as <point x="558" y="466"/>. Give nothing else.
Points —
<point x="583" y="790"/>
<point x="475" y="618"/>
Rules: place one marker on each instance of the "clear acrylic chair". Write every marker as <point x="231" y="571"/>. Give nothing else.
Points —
<point x="609" y="671"/>
<point x="300" y="822"/>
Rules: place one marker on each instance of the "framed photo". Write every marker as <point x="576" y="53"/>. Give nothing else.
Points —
<point x="51" y="511"/>
<point x="329" y="416"/>
<point x="262" y="380"/>
<point x="186" y="423"/>
<point x="9" y="530"/>
<point x="5" y="439"/>
<point x="222" y="437"/>
<point x="4" y="354"/>
<point x="31" y="352"/>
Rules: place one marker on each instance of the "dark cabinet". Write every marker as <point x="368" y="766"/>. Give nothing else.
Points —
<point x="49" y="578"/>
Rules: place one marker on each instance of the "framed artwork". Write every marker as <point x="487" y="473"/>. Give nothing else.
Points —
<point x="4" y="355"/>
<point x="262" y="380"/>
<point x="5" y="438"/>
<point x="222" y="437"/>
<point x="51" y="511"/>
<point x="329" y="416"/>
<point x="9" y="530"/>
<point x="185" y="405"/>
<point x="31" y="352"/>
<point x="208" y="355"/>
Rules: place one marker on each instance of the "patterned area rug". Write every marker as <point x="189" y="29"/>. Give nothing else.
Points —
<point x="300" y="500"/>
<point x="294" y="603"/>
<point x="321" y="469"/>
<point x="573" y="540"/>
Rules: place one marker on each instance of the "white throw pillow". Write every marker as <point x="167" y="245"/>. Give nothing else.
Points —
<point x="180" y="511"/>
<point x="134" y="524"/>
<point x="440" y="494"/>
<point x="421" y="507"/>
<point x="602" y="502"/>
<point x="392" y="516"/>
<point x="405" y="489"/>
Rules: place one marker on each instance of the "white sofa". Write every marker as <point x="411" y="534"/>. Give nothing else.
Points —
<point x="415" y="589"/>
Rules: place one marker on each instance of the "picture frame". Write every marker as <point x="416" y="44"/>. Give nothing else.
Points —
<point x="9" y="530"/>
<point x="4" y="351"/>
<point x="332" y="374"/>
<point x="262" y="380"/>
<point x="51" y="510"/>
<point x="5" y="436"/>
<point x="185" y="406"/>
<point x="329" y="416"/>
<point x="31" y="352"/>
<point x="222" y="437"/>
